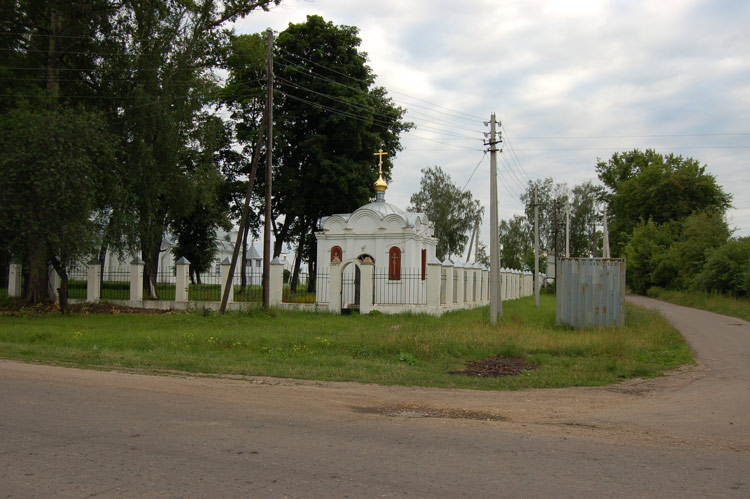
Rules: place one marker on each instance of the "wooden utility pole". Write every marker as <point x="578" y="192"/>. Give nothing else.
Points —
<point x="496" y="303"/>
<point x="471" y="241"/>
<point x="269" y="163"/>
<point x="536" y="246"/>
<point x="244" y="219"/>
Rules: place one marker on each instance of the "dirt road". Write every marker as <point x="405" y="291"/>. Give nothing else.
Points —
<point x="78" y="433"/>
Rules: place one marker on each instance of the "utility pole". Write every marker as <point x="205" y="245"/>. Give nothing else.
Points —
<point x="605" y="235"/>
<point x="496" y="303"/>
<point x="269" y="163"/>
<point x="536" y="245"/>
<point x="243" y="220"/>
<point x="471" y="242"/>
<point x="567" y="230"/>
<point x="557" y="226"/>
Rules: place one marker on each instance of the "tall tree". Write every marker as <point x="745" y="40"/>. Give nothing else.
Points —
<point x="452" y="210"/>
<point x="644" y="186"/>
<point x="330" y="119"/>
<point x="54" y="172"/>
<point x="169" y="49"/>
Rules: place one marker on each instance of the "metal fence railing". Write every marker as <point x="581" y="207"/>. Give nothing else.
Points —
<point x="165" y="285"/>
<point x="206" y="288"/>
<point x="116" y="285"/>
<point x="77" y="279"/>
<point x="321" y="287"/>
<point x="410" y="289"/>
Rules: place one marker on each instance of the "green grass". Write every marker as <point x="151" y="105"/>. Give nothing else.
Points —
<point x="377" y="348"/>
<point x="720" y="304"/>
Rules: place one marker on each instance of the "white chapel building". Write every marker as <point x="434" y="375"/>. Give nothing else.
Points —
<point x="397" y="243"/>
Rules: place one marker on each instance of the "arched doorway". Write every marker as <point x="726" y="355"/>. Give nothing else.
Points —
<point x="351" y="282"/>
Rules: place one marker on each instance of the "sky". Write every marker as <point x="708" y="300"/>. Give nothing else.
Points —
<point x="570" y="81"/>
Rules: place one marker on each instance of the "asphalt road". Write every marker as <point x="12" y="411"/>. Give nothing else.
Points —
<point x="79" y="433"/>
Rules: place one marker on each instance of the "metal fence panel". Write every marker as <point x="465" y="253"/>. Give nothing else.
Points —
<point x="410" y="289"/>
<point x="591" y="292"/>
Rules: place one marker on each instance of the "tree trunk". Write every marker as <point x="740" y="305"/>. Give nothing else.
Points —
<point x="281" y="235"/>
<point x="36" y="291"/>
<point x="151" y="259"/>
<point x="243" y="269"/>
<point x="311" y="275"/>
<point x="62" y="291"/>
<point x="297" y="261"/>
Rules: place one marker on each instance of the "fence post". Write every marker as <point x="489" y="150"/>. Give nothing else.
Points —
<point x="276" y="283"/>
<point x="182" y="279"/>
<point x="14" y="279"/>
<point x="334" y="287"/>
<point x="93" y="285"/>
<point x="366" y="286"/>
<point x="460" y="289"/>
<point x="434" y="283"/>
<point x="136" y="279"/>
<point x="448" y="282"/>
<point x="224" y="276"/>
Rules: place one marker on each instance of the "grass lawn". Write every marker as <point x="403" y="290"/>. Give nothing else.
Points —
<point x="376" y="348"/>
<point x="720" y="304"/>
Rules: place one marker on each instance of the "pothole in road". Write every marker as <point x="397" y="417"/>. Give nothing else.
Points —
<point x="412" y="412"/>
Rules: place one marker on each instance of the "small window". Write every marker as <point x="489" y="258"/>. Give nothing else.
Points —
<point x="394" y="264"/>
<point x="336" y="253"/>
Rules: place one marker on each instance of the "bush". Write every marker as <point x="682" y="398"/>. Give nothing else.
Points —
<point x="727" y="269"/>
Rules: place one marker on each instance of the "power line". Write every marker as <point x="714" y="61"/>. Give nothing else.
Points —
<point x="474" y="171"/>
<point x="469" y="116"/>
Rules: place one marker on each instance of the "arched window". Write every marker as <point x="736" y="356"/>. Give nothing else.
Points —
<point x="394" y="264"/>
<point x="336" y="253"/>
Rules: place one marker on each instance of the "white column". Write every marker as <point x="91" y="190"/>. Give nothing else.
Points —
<point x="461" y="271"/>
<point x="14" y="280"/>
<point x="224" y="275"/>
<point x="334" y="288"/>
<point x="448" y="284"/>
<point x="182" y="280"/>
<point x="366" y="275"/>
<point x="434" y="270"/>
<point x="275" y="283"/>
<point x="93" y="283"/>
<point x="136" y="279"/>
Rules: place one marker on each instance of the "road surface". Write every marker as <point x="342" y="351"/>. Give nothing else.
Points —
<point x="82" y="433"/>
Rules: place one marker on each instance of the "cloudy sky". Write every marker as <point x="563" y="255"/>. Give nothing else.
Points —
<point x="570" y="80"/>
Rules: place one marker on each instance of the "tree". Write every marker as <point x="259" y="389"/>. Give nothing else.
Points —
<point x="55" y="167"/>
<point x="644" y="186"/>
<point x="330" y="119"/>
<point x="452" y="210"/>
<point x="584" y="214"/>
<point x="517" y="241"/>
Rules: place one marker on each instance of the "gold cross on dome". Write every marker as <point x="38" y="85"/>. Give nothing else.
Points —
<point x="380" y="153"/>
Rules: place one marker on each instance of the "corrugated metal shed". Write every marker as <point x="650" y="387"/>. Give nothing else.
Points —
<point x="591" y="292"/>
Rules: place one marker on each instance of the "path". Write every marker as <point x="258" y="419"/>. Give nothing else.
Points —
<point x="78" y="433"/>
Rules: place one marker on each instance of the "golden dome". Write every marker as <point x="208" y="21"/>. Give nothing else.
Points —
<point x="380" y="184"/>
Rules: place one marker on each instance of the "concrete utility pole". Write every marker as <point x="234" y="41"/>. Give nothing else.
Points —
<point x="269" y="163"/>
<point x="567" y="230"/>
<point x="557" y="229"/>
<point x="496" y="303"/>
<point x="536" y="246"/>
<point x="605" y="235"/>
